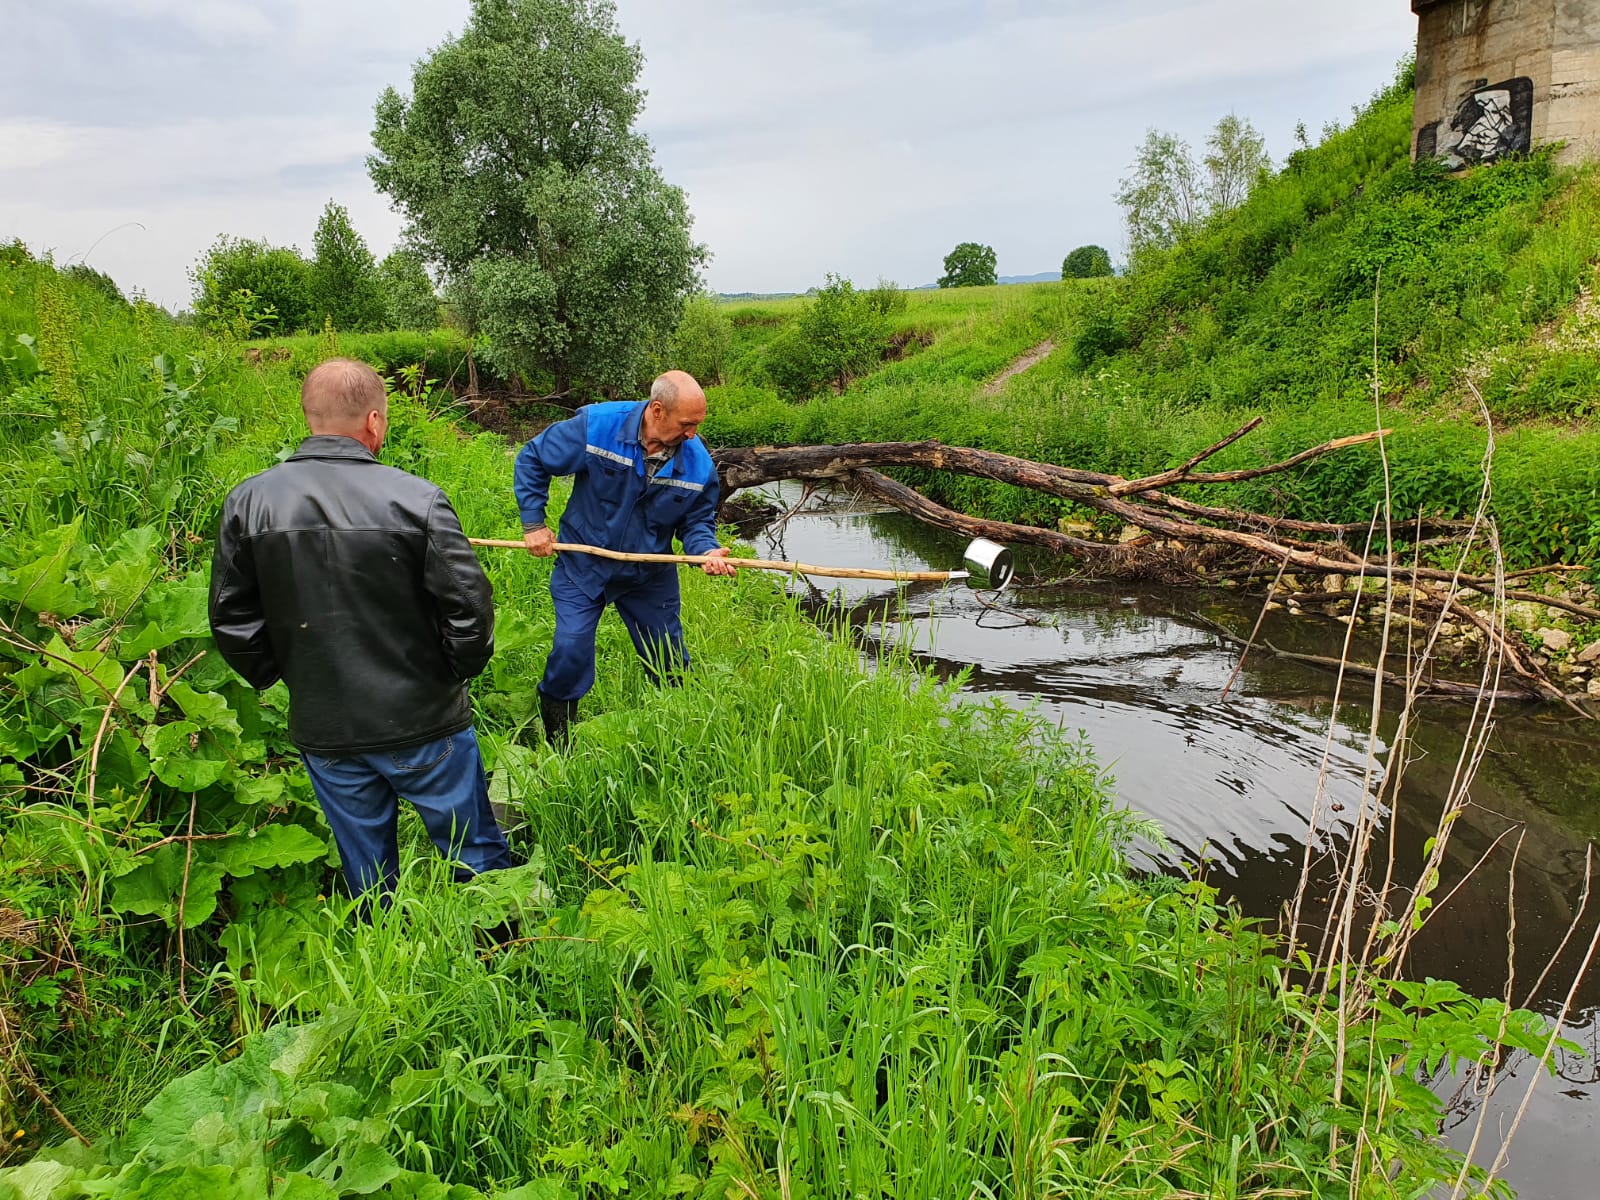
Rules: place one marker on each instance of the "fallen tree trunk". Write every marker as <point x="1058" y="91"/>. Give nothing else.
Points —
<point x="1176" y="536"/>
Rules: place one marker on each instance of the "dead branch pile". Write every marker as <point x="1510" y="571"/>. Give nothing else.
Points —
<point x="1171" y="537"/>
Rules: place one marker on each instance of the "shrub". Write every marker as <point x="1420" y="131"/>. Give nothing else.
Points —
<point x="266" y="288"/>
<point x="838" y="336"/>
<point x="702" y="341"/>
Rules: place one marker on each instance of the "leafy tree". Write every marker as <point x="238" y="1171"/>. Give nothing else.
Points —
<point x="969" y="265"/>
<point x="1236" y="160"/>
<point x="701" y="343"/>
<point x="837" y="337"/>
<point x="1168" y="193"/>
<point x="1163" y="197"/>
<point x="1086" y="262"/>
<point x="266" y="287"/>
<point x="344" y="276"/>
<point x="516" y="165"/>
<point x="409" y="301"/>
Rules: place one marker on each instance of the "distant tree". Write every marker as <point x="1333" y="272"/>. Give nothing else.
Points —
<point x="702" y="341"/>
<point x="969" y="265"/>
<point x="1163" y="196"/>
<point x="521" y="177"/>
<point x="838" y="336"/>
<point x="344" y="275"/>
<point x="1236" y="160"/>
<point x="267" y="288"/>
<point x="1168" y="193"/>
<point x="1086" y="262"/>
<point x="409" y="301"/>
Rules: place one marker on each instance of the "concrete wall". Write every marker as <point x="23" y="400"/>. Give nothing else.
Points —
<point x="1502" y="76"/>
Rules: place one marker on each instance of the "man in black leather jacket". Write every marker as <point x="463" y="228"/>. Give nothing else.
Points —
<point x="353" y="583"/>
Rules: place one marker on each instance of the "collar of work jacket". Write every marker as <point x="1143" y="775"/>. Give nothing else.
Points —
<point x="332" y="446"/>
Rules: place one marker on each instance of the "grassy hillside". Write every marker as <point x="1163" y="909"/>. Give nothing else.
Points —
<point x="1482" y="285"/>
<point x="792" y="929"/>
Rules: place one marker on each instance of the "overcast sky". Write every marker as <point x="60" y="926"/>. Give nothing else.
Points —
<point x="864" y="137"/>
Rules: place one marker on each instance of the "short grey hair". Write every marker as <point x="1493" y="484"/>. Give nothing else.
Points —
<point x="665" y="389"/>
<point x="342" y="391"/>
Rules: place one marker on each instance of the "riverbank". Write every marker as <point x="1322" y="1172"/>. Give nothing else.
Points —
<point x="796" y="922"/>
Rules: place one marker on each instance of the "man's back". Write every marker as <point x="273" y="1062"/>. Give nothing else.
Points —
<point x="353" y="582"/>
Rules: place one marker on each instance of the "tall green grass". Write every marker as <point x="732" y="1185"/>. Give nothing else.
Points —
<point x="792" y="928"/>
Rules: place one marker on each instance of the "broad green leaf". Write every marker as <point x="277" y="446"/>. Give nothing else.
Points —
<point x="208" y="710"/>
<point x="98" y="674"/>
<point x="267" y="791"/>
<point x="126" y="569"/>
<point x="513" y="630"/>
<point x="41" y="585"/>
<point x="170" y="612"/>
<point x="183" y="759"/>
<point x="269" y="846"/>
<point x="121" y="761"/>
<point x="364" y="1169"/>
<point x="154" y="885"/>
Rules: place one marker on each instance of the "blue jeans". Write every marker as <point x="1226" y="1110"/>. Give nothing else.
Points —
<point x="444" y="781"/>
<point x="646" y="600"/>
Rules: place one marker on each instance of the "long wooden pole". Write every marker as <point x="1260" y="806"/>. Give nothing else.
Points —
<point x="751" y="564"/>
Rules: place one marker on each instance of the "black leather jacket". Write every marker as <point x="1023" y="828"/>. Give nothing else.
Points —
<point x="353" y="583"/>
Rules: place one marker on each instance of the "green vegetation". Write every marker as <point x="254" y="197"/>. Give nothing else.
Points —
<point x="792" y="929"/>
<point x="969" y="265"/>
<point x="249" y="288"/>
<point x="522" y="180"/>
<point x="409" y="299"/>
<point x="1086" y="262"/>
<point x="1169" y="196"/>
<point x="345" y="287"/>
<point x="246" y="288"/>
<point x="1485" y="289"/>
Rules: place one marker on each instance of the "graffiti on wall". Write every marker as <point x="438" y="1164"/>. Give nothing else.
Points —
<point x="1493" y="119"/>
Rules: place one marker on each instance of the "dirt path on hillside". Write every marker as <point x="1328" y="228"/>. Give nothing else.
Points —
<point x="1031" y="358"/>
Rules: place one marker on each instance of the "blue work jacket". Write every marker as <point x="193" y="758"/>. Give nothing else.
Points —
<point x="613" y="504"/>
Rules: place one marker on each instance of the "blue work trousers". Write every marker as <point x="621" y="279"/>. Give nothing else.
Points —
<point x="443" y="779"/>
<point x="647" y="601"/>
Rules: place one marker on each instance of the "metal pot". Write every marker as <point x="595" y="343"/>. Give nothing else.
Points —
<point x="989" y="565"/>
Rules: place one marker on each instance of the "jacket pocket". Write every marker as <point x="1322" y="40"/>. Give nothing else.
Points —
<point x="423" y="757"/>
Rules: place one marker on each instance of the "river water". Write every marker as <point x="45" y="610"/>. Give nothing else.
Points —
<point x="1231" y="783"/>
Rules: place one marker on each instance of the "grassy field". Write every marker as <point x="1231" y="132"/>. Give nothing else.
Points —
<point x="792" y="929"/>
<point x="1483" y="287"/>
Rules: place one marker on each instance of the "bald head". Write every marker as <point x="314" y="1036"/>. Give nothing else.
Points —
<point x="676" y="408"/>
<point x="674" y="387"/>
<point x="340" y="395"/>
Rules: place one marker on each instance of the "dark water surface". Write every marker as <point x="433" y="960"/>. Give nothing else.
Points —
<point x="1232" y="784"/>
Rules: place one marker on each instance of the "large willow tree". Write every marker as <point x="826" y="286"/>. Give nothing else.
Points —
<point x="521" y="177"/>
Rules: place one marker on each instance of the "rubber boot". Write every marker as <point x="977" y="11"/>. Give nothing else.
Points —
<point x="557" y="716"/>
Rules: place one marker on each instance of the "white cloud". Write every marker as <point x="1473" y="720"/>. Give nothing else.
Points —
<point x="831" y="135"/>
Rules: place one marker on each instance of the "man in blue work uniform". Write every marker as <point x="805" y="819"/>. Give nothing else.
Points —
<point x="640" y="477"/>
